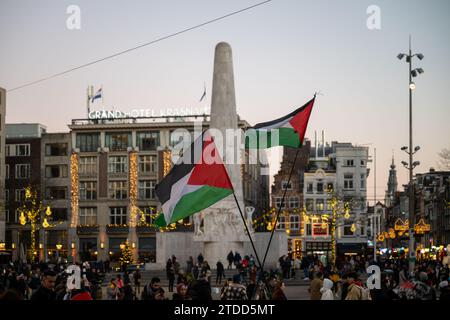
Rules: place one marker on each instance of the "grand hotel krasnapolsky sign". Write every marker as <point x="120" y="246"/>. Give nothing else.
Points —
<point x="146" y="113"/>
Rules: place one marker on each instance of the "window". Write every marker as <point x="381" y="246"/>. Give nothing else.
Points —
<point x="87" y="216"/>
<point x="330" y="187"/>
<point x="281" y="225"/>
<point x="117" y="164"/>
<point x="308" y="229"/>
<point x="7" y="171"/>
<point x="56" y="193"/>
<point x="363" y="181"/>
<point x="285" y="185"/>
<point x="278" y="202"/>
<point x="147" y="164"/>
<point x="348" y="231"/>
<point x="23" y="171"/>
<point x="329" y="205"/>
<point x="309" y="204"/>
<point x="56" y="149"/>
<point x="147" y="140"/>
<point x="7" y="195"/>
<point x="145" y="214"/>
<point x="18" y="150"/>
<point x="147" y="189"/>
<point x="88" y="165"/>
<point x="19" y="195"/>
<point x="59" y="214"/>
<point x="118" y="141"/>
<point x="118" y="215"/>
<point x="293" y="202"/>
<point x="319" y="187"/>
<point x="88" y="142"/>
<point x="294" y="222"/>
<point x="309" y="188"/>
<point x="362" y="162"/>
<point x="348" y="181"/>
<point x="320" y="205"/>
<point x="182" y="137"/>
<point x="56" y="171"/>
<point x="88" y="190"/>
<point x="349" y="163"/>
<point x="118" y="190"/>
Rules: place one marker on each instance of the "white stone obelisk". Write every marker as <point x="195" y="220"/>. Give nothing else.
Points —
<point x="223" y="229"/>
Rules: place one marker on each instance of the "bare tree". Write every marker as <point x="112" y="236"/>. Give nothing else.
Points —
<point x="444" y="159"/>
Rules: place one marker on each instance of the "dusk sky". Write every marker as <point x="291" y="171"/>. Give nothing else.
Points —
<point x="283" y="52"/>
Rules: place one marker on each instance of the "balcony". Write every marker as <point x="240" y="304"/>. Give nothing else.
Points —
<point x="145" y="229"/>
<point x="117" y="229"/>
<point x="87" y="229"/>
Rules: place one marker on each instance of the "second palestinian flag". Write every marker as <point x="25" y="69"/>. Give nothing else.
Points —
<point x="287" y="131"/>
<point x="191" y="187"/>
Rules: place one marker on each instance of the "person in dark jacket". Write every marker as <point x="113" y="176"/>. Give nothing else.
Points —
<point x="230" y="258"/>
<point x="46" y="290"/>
<point x="150" y="290"/>
<point x="170" y="271"/>
<point x="220" y="272"/>
<point x="200" y="289"/>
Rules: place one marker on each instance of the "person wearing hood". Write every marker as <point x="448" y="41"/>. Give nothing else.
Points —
<point x="326" y="291"/>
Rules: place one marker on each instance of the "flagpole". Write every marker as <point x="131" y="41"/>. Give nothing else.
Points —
<point x="279" y="209"/>
<point x="248" y="232"/>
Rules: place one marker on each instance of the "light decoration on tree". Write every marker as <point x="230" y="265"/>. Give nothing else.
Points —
<point x="133" y="176"/>
<point x="74" y="188"/>
<point x="126" y="254"/>
<point x="401" y="225"/>
<point x="32" y="210"/>
<point x="167" y="161"/>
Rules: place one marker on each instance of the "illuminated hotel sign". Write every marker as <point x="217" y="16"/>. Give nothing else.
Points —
<point x="146" y="113"/>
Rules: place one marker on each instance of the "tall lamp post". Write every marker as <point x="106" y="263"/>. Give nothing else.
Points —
<point x="409" y="150"/>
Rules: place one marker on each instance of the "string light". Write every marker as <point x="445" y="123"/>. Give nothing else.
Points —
<point x="74" y="180"/>
<point x="133" y="187"/>
<point x="167" y="162"/>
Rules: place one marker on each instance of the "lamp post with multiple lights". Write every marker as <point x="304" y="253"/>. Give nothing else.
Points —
<point x="409" y="150"/>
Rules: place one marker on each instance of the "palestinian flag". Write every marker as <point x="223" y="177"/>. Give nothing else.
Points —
<point x="196" y="182"/>
<point x="287" y="131"/>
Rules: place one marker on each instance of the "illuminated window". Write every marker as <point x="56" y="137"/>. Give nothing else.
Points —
<point x="88" y="190"/>
<point x="118" y="141"/>
<point x="117" y="164"/>
<point x="319" y="204"/>
<point x="147" y="164"/>
<point x="87" y="216"/>
<point x="117" y="190"/>
<point x="88" y="165"/>
<point x="281" y="225"/>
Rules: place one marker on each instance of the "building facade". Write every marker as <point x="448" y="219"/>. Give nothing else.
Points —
<point x="2" y="169"/>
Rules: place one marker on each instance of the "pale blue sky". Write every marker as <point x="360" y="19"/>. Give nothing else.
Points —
<point x="283" y="52"/>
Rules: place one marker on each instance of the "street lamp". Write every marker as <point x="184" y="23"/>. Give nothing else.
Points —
<point x="412" y="164"/>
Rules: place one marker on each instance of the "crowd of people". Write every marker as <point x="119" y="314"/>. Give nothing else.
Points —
<point x="193" y="280"/>
<point x="348" y="280"/>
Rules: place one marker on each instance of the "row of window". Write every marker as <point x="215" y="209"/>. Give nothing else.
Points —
<point x="117" y="215"/>
<point x="320" y="187"/>
<point x="87" y="166"/>
<point x="292" y="222"/>
<point x="88" y="215"/>
<point x="24" y="149"/>
<point x="117" y="190"/>
<point x="293" y="202"/>
<point x="117" y="141"/>
<point x="351" y="163"/>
